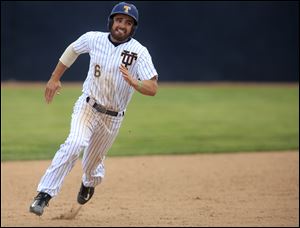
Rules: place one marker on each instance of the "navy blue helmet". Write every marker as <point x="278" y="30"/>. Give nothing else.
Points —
<point x="127" y="9"/>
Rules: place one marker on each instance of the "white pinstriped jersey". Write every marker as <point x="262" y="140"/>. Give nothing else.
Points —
<point x="109" y="87"/>
<point x="92" y="131"/>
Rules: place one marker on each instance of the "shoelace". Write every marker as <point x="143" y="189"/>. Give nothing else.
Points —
<point x="39" y="197"/>
<point x="86" y="191"/>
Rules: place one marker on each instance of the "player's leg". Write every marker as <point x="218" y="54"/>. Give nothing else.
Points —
<point x="68" y="153"/>
<point x="65" y="157"/>
<point x="101" y="141"/>
<point x="93" y="157"/>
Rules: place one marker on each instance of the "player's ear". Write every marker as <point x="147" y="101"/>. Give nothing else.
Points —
<point x="110" y="23"/>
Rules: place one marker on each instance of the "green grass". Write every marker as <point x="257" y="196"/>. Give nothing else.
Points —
<point x="178" y="120"/>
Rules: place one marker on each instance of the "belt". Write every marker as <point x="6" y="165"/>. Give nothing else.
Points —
<point x="102" y="109"/>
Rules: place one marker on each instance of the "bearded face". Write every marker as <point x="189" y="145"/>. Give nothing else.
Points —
<point x="121" y="28"/>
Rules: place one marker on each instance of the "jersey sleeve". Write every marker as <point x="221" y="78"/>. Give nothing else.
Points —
<point x="146" y="69"/>
<point x="82" y="44"/>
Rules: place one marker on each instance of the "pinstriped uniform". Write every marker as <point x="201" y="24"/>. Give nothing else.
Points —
<point x="91" y="131"/>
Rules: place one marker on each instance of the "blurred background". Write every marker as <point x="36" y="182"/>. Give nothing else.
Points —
<point x="189" y="41"/>
<point x="196" y="41"/>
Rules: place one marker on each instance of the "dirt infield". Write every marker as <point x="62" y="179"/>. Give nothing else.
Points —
<point x="244" y="189"/>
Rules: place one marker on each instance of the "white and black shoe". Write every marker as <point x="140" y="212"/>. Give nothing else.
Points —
<point x="85" y="194"/>
<point x="39" y="202"/>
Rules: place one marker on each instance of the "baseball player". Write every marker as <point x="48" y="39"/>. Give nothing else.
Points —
<point x="119" y="65"/>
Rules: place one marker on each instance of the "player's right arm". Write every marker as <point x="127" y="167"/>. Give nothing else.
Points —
<point x="54" y="85"/>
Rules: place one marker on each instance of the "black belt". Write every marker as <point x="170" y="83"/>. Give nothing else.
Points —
<point x="102" y="109"/>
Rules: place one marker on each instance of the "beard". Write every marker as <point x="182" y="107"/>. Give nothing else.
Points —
<point x="120" y="37"/>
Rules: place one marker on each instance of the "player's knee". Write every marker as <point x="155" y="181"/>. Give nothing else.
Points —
<point x="75" y="146"/>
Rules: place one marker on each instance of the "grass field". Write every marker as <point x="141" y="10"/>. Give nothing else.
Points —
<point x="179" y="119"/>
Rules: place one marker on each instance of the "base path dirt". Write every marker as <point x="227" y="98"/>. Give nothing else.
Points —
<point x="244" y="189"/>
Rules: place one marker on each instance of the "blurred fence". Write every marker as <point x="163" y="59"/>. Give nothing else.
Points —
<point x="188" y="41"/>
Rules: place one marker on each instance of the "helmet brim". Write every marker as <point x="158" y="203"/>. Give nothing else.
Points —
<point x="121" y="12"/>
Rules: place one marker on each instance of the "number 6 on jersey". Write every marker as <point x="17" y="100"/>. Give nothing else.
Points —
<point x="97" y="71"/>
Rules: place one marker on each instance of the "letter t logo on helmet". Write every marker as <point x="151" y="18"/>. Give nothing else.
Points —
<point x="127" y="9"/>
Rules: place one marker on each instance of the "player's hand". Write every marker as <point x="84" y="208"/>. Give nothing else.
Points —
<point x="53" y="87"/>
<point x="127" y="77"/>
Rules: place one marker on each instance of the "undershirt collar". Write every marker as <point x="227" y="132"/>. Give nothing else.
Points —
<point x="115" y="43"/>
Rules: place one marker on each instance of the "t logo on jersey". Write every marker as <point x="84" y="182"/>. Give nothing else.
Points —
<point x="128" y="57"/>
<point x="126" y="8"/>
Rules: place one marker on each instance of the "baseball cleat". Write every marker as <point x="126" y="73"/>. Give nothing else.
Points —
<point x="85" y="194"/>
<point x="40" y="201"/>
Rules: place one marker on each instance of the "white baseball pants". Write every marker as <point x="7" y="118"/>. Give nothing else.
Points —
<point x="90" y="130"/>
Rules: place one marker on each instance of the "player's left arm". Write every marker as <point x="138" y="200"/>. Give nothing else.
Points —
<point x="146" y="87"/>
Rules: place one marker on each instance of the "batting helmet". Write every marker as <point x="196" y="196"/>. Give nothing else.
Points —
<point x="127" y="9"/>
